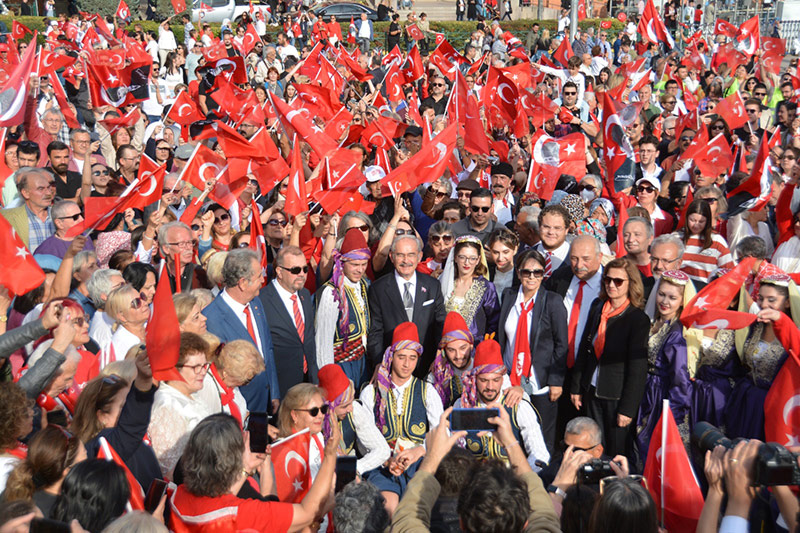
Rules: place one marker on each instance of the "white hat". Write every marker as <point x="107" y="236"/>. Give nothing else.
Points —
<point x="374" y="173"/>
<point x="652" y="181"/>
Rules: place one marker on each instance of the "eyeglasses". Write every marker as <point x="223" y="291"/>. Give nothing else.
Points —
<point x="673" y="102"/>
<point x="617" y="282"/>
<point x="74" y="217"/>
<point x="162" y="148"/>
<point x="222" y="218"/>
<point x="362" y="227"/>
<point x="100" y="172"/>
<point x="537" y="273"/>
<point x="645" y="188"/>
<point x="197" y="369"/>
<point x="183" y="244"/>
<point x="80" y="321"/>
<point x="314" y="411"/>
<point x="760" y="95"/>
<point x="404" y="232"/>
<point x="446" y="239"/>
<point x="276" y="222"/>
<point x="295" y="270"/>
<point x="476" y="208"/>
<point x="137" y="302"/>
<point x="467" y="259"/>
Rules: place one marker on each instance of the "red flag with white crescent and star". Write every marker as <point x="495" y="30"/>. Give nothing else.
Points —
<point x="782" y="420"/>
<point x="14" y="92"/>
<point x="257" y="240"/>
<point x="296" y="195"/>
<point x="552" y="157"/>
<point x="424" y="166"/>
<point x="617" y="149"/>
<point x="723" y="27"/>
<point x="18" y="269"/>
<point x="732" y="110"/>
<point x="184" y="111"/>
<point x="123" y="12"/>
<point x="290" y="459"/>
<point x="652" y="28"/>
<point x="709" y="307"/>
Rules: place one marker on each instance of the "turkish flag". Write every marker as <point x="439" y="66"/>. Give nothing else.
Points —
<point x="426" y="165"/>
<point x="540" y="107"/>
<point x="338" y="124"/>
<point x="257" y="240"/>
<point x="617" y="150"/>
<point x="14" y="92"/>
<point x="414" y="32"/>
<point x="123" y="12"/>
<point x="214" y="52"/>
<point x="670" y="478"/>
<point x="339" y="180"/>
<point x="782" y="420"/>
<point x="105" y="451"/>
<point x="652" y="28"/>
<point x="135" y="52"/>
<point x="581" y="10"/>
<point x="267" y="174"/>
<point x="179" y="6"/>
<point x="292" y="472"/>
<point x="355" y="69"/>
<point x="457" y="103"/>
<point x="18" y="270"/>
<point x="49" y="62"/>
<point x="748" y="36"/>
<point x="184" y="111"/>
<point x="230" y="68"/>
<point x="723" y="27"/>
<point x="394" y="56"/>
<point x="709" y="307"/>
<point x="296" y="195"/>
<point x="552" y="157"/>
<point x="732" y="110"/>
<point x="19" y="30"/>
<point x="163" y="337"/>
<point x="393" y="81"/>
<point x="717" y="155"/>
<point x="312" y="134"/>
<point x="446" y="59"/>
<point x="108" y="58"/>
<point x="563" y="52"/>
<point x="109" y="86"/>
<point x="475" y="139"/>
<point x="320" y="100"/>
<point x="204" y="164"/>
<point x="726" y="53"/>
<point x="754" y="192"/>
<point x="125" y="121"/>
<point x="63" y="103"/>
<point x="412" y="69"/>
<point x="250" y="39"/>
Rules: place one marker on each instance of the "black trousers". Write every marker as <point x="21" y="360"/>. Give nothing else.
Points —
<point x="616" y="440"/>
<point x="548" y="413"/>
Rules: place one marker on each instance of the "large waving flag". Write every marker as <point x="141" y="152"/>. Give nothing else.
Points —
<point x="652" y="28"/>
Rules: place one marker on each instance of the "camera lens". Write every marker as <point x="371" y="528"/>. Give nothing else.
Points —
<point x="707" y="437"/>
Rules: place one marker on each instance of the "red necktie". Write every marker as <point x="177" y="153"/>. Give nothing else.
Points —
<point x="250" y="329"/>
<point x="573" y="324"/>
<point x="548" y="265"/>
<point x="301" y="327"/>
<point x="522" y="346"/>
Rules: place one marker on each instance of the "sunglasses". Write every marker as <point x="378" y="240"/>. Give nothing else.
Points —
<point x="570" y="93"/>
<point x="617" y="282"/>
<point x="362" y="227"/>
<point x="80" y="321"/>
<point x="709" y="200"/>
<point x="276" y="222"/>
<point x="438" y="84"/>
<point x="537" y="273"/>
<point x="476" y="208"/>
<point x="464" y="194"/>
<point x="314" y="411"/>
<point x="645" y="188"/>
<point x="100" y="172"/>
<point x="586" y="187"/>
<point x="222" y="218"/>
<point x="688" y="139"/>
<point x="404" y="232"/>
<point x="137" y="302"/>
<point x="195" y="227"/>
<point x="74" y="217"/>
<point x="295" y="270"/>
<point x="435" y="239"/>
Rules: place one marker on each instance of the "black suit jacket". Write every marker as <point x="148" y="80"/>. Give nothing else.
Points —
<point x="549" y="337"/>
<point x="286" y="343"/>
<point x="559" y="281"/>
<point x="623" y="364"/>
<point x="386" y="306"/>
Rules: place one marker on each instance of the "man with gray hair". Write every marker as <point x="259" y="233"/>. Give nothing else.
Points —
<point x="32" y="220"/>
<point x="360" y="509"/>
<point x="99" y="286"/>
<point x="237" y="313"/>
<point x="53" y="128"/>
<point x="527" y="226"/>
<point x="406" y="295"/>
<point x="175" y="239"/>
<point x="585" y="438"/>
<point x="666" y="253"/>
<point x="65" y="215"/>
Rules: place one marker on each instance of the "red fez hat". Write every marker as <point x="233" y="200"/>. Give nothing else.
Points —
<point x="454" y="322"/>
<point x="353" y="240"/>
<point x="333" y="379"/>
<point x="407" y="331"/>
<point x="488" y="352"/>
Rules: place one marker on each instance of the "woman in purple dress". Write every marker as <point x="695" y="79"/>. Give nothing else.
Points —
<point x="667" y="364"/>
<point x="762" y="356"/>
<point x="467" y="289"/>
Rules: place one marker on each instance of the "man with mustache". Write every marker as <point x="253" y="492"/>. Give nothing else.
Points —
<point x="405" y="295"/>
<point x="68" y="183"/>
<point x="483" y="388"/>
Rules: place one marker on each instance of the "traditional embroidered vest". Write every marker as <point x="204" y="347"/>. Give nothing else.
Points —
<point x="348" y="434"/>
<point x="456" y="390"/>
<point x="413" y="425"/>
<point x="488" y="447"/>
<point x="357" y="327"/>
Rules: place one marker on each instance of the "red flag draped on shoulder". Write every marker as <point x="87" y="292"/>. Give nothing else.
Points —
<point x="670" y="478"/>
<point x="14" y="92"/>
<point x="19" y="271"/>
<point x="709" y="307"/>
<point x="163" y="335"/>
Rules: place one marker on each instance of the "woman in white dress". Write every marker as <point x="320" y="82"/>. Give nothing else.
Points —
<point x="177" y="408"/>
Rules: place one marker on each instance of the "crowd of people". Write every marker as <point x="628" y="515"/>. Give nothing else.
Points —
<point x="388" y="237"/>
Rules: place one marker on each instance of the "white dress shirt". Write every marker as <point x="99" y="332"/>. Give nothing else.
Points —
<point x="557" y="256"/>
<point x="590" y="291"/>
<point x="530" y="431"/>
<point x="511" y="336"/>
<point x="238" y="310"/>
<point x="401" y="284"/>
<point x="286" y="298"/>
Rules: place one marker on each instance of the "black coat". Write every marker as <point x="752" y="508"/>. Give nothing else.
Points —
<point x="623" y="364"/>
<point x="549" y="337"/>
<point x="286" y="343"/>
<point x="388" y="312"/>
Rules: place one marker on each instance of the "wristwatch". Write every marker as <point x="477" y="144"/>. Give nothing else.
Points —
<point x="557" y="491"/>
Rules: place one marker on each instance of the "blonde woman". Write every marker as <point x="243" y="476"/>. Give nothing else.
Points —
<point x="130" y="314"/>
<point x="304" y="407"/>
<point x="188" y="308"/>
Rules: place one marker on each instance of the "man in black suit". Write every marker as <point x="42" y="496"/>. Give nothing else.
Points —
<point x="578" y="286"/>
<point x="402" y="296"/>
<point x="291" y="320"/>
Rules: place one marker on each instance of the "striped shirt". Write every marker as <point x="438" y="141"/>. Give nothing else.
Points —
<point x="699" y="264"/>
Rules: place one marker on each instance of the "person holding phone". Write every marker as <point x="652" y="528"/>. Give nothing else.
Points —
<point x="356" y="422"/>
<point x="405" y="408"/>
<point x="483" y="386"/>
